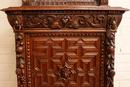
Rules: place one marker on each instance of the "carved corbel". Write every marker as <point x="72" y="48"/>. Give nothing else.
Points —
<point x="16" y="21"/>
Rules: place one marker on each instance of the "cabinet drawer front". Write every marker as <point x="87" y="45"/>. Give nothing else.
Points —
<point x="65" y="61"/>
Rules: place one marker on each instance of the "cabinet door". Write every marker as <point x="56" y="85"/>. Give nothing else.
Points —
<point x="65" y="60"/>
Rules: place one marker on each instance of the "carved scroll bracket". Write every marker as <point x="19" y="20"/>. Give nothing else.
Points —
<point x="16" y="21"/>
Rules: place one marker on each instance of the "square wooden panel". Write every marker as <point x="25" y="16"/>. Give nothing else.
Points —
<point x="65" y="61"/>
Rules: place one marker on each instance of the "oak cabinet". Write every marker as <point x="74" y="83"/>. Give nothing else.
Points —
<point x="65" y="44"/>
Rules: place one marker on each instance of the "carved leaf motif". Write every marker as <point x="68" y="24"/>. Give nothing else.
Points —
<point x="64" y="21"/>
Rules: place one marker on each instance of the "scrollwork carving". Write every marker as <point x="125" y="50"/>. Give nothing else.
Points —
<point x="64" y="21"/>
<point x="110" y="49"/>
<point x="20" y="71"/>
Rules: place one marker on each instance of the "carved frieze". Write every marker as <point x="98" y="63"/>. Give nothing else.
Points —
<point x="64" y="21"/>
<point x="19" y="22"/>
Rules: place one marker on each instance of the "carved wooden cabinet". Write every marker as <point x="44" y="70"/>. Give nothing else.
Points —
<point x="65" y="43"/>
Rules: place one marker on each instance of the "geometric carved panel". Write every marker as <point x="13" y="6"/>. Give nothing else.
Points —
<point x="65" y="61"/>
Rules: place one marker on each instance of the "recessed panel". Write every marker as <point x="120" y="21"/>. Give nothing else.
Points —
<point x="65" y="61"/>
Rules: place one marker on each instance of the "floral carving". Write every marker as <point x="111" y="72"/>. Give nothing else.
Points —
<point x="20" y="71"/>
<point x="64" y="21"/>
<point x="110" y="48"/>
<point x="64" y="72"/>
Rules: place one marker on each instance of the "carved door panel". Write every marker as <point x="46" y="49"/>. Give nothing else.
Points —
<point x="65" y="61"/>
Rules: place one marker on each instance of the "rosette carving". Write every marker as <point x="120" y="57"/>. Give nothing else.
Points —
<point x="64" y="72"/>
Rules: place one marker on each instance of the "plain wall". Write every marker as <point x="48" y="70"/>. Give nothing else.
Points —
<point x="7" y="47"/>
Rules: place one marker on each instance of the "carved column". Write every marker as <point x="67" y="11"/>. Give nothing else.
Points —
<point x="16" y="22"/>
<point x="110" y="49"/>
<point x="20" y="58"/>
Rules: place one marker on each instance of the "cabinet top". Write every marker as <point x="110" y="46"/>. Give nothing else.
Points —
<point x="63" y="2"/>
<point x="87" y="8"/>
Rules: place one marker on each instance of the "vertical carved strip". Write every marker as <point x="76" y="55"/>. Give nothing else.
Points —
<point x="28" y="60"/>
<point x="102" y="59"/>
<point x="110" y="49"/>
<point x="20" y="58"/>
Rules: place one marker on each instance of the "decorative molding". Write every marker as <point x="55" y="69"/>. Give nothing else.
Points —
<point x="102" y="73"/>
<point x="110" y="49"/>
<point x="57" y="34"/>
<point x="64" y="21"/>
<point x="28" y="56"/>
<point x="20" y="58"/>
